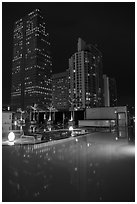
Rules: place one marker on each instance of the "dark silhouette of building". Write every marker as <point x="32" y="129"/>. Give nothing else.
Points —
<point x="85" y="76"/>
<point x="32" y="65"/>
<point x="110" y="91"/>
<point x="113" y="92"/>
<point x="60" y="91"/>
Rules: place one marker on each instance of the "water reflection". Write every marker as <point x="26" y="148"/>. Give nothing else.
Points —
<point x="89" y="168"/>
<point x="47" y="175"/>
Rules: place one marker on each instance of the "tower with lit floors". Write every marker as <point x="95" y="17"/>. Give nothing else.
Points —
<point x="85" y="77"/>
<point x="31" y="64"/>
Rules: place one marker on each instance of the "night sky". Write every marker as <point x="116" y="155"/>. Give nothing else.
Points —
<point x="109" y="25"/>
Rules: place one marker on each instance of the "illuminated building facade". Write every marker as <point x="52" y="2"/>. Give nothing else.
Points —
<point x="110" y="91"/>
<point x="85" y="77"/>
<point x="60" y="91"/>
<point x="31" y="64"/>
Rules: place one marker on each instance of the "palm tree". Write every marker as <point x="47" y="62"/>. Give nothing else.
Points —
<point x="21" y="112"/>
<point x="51" y="109"/>
<point x="71" y="101"/>
<point x="33" y="109"/>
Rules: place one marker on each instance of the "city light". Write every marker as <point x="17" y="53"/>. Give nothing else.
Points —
<point x="11" y="137"/>
<point x="71" y="128"/>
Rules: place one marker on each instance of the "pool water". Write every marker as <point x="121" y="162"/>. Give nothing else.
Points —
<point x="96" y="167"/>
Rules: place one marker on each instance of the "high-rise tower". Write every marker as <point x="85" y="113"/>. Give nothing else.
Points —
<point x="31" y="64"/>
<point x="110" y="91"/>
<point x="60" y="91"/>
<point x="85" y="77"/>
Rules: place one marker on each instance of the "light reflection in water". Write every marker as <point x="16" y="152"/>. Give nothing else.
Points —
<point x="68" y="171"/>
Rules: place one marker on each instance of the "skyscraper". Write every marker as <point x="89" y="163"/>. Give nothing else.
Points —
<point x="31" y="64"/>
<point x="113" y="92"/>
<point x="106" y="91"/>
<point x="85" y="76"/>
<point x="110" y="91"/>
<point x="60" y="91"/>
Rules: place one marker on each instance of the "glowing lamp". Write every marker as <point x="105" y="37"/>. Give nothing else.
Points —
<point x="11" y="136"/>
<point x="70" y="128"/>
<point x="88" y="144"/>
<point x="49" y="128"/>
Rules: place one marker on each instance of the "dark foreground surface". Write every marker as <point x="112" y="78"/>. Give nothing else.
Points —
<point x="99" y="166"/>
